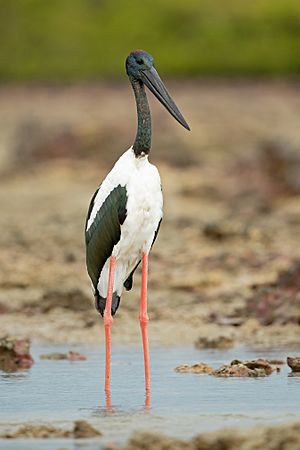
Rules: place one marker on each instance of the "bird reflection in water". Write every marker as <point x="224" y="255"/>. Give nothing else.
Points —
<point x="109" y="408"/>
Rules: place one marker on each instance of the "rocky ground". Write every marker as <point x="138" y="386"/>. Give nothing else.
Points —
<point x="227" y="257"/>
<point x="280" y="437"/>
<point x="284" y="437"/>
<point x="225" y="268"/>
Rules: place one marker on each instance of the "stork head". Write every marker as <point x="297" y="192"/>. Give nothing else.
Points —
<point x="140" y="68"/>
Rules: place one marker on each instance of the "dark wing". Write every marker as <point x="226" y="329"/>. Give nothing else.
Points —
<point x="105" y="231"/>
<point x="129" y="282"/>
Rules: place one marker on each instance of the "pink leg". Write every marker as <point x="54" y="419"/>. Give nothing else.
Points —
<point x="108" y="404"/>
<point x="108" y="320"/>
<point x="147" y="403"/>
<point x="143" y="316"/>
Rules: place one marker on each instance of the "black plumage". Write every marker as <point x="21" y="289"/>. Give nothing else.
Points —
<point x="105" y="231"/>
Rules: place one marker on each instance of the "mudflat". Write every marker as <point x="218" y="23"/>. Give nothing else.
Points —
<point x="225" y="269"/>
<point x="226" y="259"/>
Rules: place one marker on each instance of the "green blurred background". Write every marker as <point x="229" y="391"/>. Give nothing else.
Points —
<point x="63" y="40"/>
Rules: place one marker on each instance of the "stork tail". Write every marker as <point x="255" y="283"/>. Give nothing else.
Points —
<point x="100" y="303"/>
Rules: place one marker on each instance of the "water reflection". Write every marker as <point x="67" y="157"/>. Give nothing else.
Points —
<point x="147" y="405"/>
<point x="20" y="375"/>
<point x="55" y="390"/>
<point x="109" y="409"/>
<point x="108" y="404"/>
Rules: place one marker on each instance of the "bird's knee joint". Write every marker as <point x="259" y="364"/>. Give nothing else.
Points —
<point x="144" y="319"/>
<point x="107" y="319"/>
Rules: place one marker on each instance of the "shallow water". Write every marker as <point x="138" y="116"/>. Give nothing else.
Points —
<point x="182" y="405"/>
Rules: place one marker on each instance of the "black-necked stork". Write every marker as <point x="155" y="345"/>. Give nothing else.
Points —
<point x="126" y="210"/>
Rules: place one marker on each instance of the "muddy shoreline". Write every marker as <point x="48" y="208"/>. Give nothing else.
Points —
<point x="181" y="405"/>
<point x="226" y="261"/>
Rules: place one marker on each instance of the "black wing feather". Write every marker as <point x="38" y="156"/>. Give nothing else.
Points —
<point x="105" y="231"/>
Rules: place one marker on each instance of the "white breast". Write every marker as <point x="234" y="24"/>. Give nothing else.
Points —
<point x="144" y="209"/>
<point x="144" y="212"/>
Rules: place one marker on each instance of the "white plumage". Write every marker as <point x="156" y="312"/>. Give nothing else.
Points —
<point x="144" y="212"/>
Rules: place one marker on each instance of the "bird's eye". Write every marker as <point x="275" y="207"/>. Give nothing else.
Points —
<point x="140" y="61"/>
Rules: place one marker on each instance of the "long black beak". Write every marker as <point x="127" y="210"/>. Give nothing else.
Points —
<point x="154" y="83"/>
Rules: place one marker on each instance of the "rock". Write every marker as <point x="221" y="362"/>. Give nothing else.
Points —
<point x="259" y="364"/>
<point x="294" y="363"/>
<point x="71" y="356"/>
<point x="15" y="354"/>
<point x="195" y="368"/>
<point x="151" y="441"/>
<point x="237" y="368"/>
<point x="220" y="341"/>
<point x="276" y="437"/>
<point x="83" y="429"/>
<point x="38" y="432"/>
<point x="55" y="356"/>
<point x="76" y="356"/>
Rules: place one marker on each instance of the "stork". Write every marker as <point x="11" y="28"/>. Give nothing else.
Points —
<point x="126" y="211"/>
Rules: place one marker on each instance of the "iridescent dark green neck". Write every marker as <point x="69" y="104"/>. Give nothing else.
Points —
<point x="142" y="143"/>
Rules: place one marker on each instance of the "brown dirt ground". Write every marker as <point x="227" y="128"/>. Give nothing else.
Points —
<point x="232" y="212"/>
